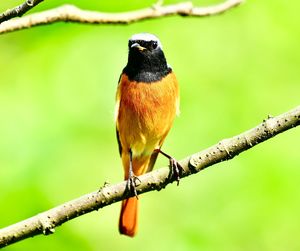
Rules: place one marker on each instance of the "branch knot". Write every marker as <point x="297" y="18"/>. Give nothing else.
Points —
<point x="46" y="225"/>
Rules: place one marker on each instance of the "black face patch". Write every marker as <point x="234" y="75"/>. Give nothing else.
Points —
<point x="148" y="65"/>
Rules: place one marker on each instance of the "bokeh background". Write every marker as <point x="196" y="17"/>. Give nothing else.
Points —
<point x="57" y="134"/>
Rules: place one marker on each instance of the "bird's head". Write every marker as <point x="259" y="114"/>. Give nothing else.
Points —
<point x="146" y="60"/>
<point x="144" y="43"/>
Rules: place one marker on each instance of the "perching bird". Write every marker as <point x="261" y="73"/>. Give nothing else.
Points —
<point x="147" y="102"/>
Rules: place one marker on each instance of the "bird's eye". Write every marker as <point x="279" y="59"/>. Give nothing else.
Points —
<point x="130" y="42"/>
<point x="154" y="45"/>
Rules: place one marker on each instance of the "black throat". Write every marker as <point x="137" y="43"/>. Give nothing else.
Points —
<point x="146" y="66"/>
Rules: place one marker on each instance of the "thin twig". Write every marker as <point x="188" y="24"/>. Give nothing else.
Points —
<point x="46" y="222"/>
<point x="19" y="10"/>
<point x="70" y="13"/>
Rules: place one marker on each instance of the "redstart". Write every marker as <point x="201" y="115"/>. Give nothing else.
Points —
<point x="147" y="102"/>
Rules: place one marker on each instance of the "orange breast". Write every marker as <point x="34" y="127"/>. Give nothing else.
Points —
<point x="145" y="112"/>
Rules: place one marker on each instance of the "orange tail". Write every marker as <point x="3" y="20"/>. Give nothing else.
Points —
<point x="128" y="217"/>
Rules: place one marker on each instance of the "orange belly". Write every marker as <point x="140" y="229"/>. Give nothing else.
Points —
<point x="145" y="113"/>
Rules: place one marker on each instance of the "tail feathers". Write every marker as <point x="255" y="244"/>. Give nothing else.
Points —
<point x="128" y="217"/>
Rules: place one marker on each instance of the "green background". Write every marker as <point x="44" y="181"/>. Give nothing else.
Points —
<point x="57" y="134"/>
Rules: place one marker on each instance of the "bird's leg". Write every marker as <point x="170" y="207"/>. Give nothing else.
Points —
<point x="175" y="168"/>
<point x="131" y="182"/>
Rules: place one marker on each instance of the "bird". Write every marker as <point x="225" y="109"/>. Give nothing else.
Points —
<point x="147" y="102"/>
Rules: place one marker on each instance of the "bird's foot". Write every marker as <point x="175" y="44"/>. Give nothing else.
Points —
<point x="176" y="170"/>
<point x="132" y="182"/>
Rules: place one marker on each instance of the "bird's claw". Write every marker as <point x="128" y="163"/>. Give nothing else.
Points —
<point x="132" y="184"/>
<point x="176" y="170"/>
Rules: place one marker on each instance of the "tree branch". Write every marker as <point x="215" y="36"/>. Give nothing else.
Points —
<point x="45" y="223"/>
<point x="70" y="13"/>
<point x="19" y="10"/>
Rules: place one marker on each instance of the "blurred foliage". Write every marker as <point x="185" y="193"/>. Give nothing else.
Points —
<point x="57" y="134"/>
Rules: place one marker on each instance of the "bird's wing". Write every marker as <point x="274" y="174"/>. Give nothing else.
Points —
<point x="119" y="143"/>
<point x="117" y="106"/>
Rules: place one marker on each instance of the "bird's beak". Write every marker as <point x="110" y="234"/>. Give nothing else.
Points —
<point x="136" y="45"/>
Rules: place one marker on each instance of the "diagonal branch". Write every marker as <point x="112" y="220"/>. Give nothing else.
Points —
<point x="70" y="13"/>
<point x="45" y="223"/>
<point x="19" y="10"/>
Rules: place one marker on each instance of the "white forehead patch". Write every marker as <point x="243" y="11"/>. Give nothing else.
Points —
<point x="146" y="37"/>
